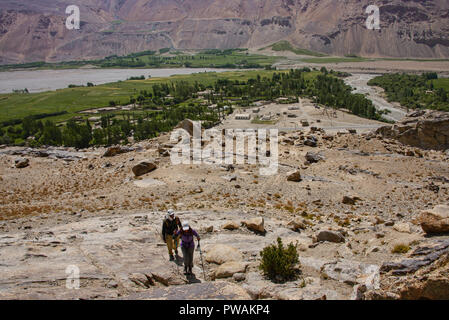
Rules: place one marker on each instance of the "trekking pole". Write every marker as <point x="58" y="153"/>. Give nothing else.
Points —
<point x="202" y="264"/>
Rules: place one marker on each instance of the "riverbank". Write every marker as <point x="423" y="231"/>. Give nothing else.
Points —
<point x="49" y="80"/>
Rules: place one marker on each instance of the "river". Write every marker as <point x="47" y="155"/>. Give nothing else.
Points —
<point x="360" y="83"/>
<point x="46" y="80"/>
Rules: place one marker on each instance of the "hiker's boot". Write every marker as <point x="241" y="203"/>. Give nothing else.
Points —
<point x="185" y="271"/>
<point x="172" y="258"/>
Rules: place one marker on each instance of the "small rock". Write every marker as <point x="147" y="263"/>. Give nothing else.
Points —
<point x="350" y="200"/>
<point x="402" y="227"/>
<point x="230" y="178"/>
<point x="22" y="163"/>
<point x="116" y="150"/>
<point x="311" y="142"/>
<point x="228" y="269"/>
<point x="297" y="224"/>
<point x="313" y="157"/>
<point x="380" y="235"/>
<point x="112" y="284"/>
<point x="239" y="277"/>
<point x="294" y="176"/>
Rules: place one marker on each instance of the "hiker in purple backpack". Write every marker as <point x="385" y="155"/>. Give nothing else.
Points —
<point x="187" y="245"/>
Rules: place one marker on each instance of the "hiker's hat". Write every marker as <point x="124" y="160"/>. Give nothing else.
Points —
<point x="171" y="212"/>
<point x="185" y="226"/>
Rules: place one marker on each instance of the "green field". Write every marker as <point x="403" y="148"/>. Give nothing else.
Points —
<point x="442" y="83"/>
<point x="287" y="46"/>
<point x="18" y="106"/>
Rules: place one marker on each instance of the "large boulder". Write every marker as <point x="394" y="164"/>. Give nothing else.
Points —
<point x="189" y="125"/>
<point x="435" y="220"/>
<point x="255" y="224"/>
<point x="422" y="129"/>
<point x="228" y="269"/>
<point x="232" y="225"/>
<point x="144" y="167"/>
<point x="297" y="224"/>
<point x="330" y="236"/>
<point x="116" y="150"/>
<point x="221" y="253"/>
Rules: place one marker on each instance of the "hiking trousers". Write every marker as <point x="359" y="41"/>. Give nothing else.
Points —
<point x="172" y="244"/>
<point x="187" y="254"/>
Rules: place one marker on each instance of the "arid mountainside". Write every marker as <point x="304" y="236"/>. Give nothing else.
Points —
<point x="35" y="30"/>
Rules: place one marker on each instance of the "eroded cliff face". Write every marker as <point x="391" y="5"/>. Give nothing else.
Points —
<point x="423" y="129"/>
<point x="33" y="31"/>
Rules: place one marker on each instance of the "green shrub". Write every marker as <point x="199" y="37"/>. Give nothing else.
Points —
<point x="400" y="248"/>
<point x="279" y="263"/>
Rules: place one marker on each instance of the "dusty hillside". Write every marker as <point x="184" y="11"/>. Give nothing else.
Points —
<point x="32" y="31"/>
<point x="359" y="196"/>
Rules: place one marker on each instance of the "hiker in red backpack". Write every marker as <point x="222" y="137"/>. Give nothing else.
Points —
<point x="187" y="245"/>
<point x="169" y="227"/>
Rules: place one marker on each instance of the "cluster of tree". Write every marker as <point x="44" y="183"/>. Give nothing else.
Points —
<point x="20" y="90"/>
<point x="137" y="78"/>
<point x="115" y="129"/>
<point x="333" y="92"/>
<point x="89" y="84"/>
<point x="225" y="52"/>
<point x="208" y="58"/>
<point x="14" y="122"/>
<point x="414" y="91"/>
<point x="326" y="89"/>
<point x="47" y="133"/>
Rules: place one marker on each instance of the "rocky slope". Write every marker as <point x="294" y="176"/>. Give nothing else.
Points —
<point x="423" y="129"/>
<point x="35" y="31"/>
<point x="356" y="200"/>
